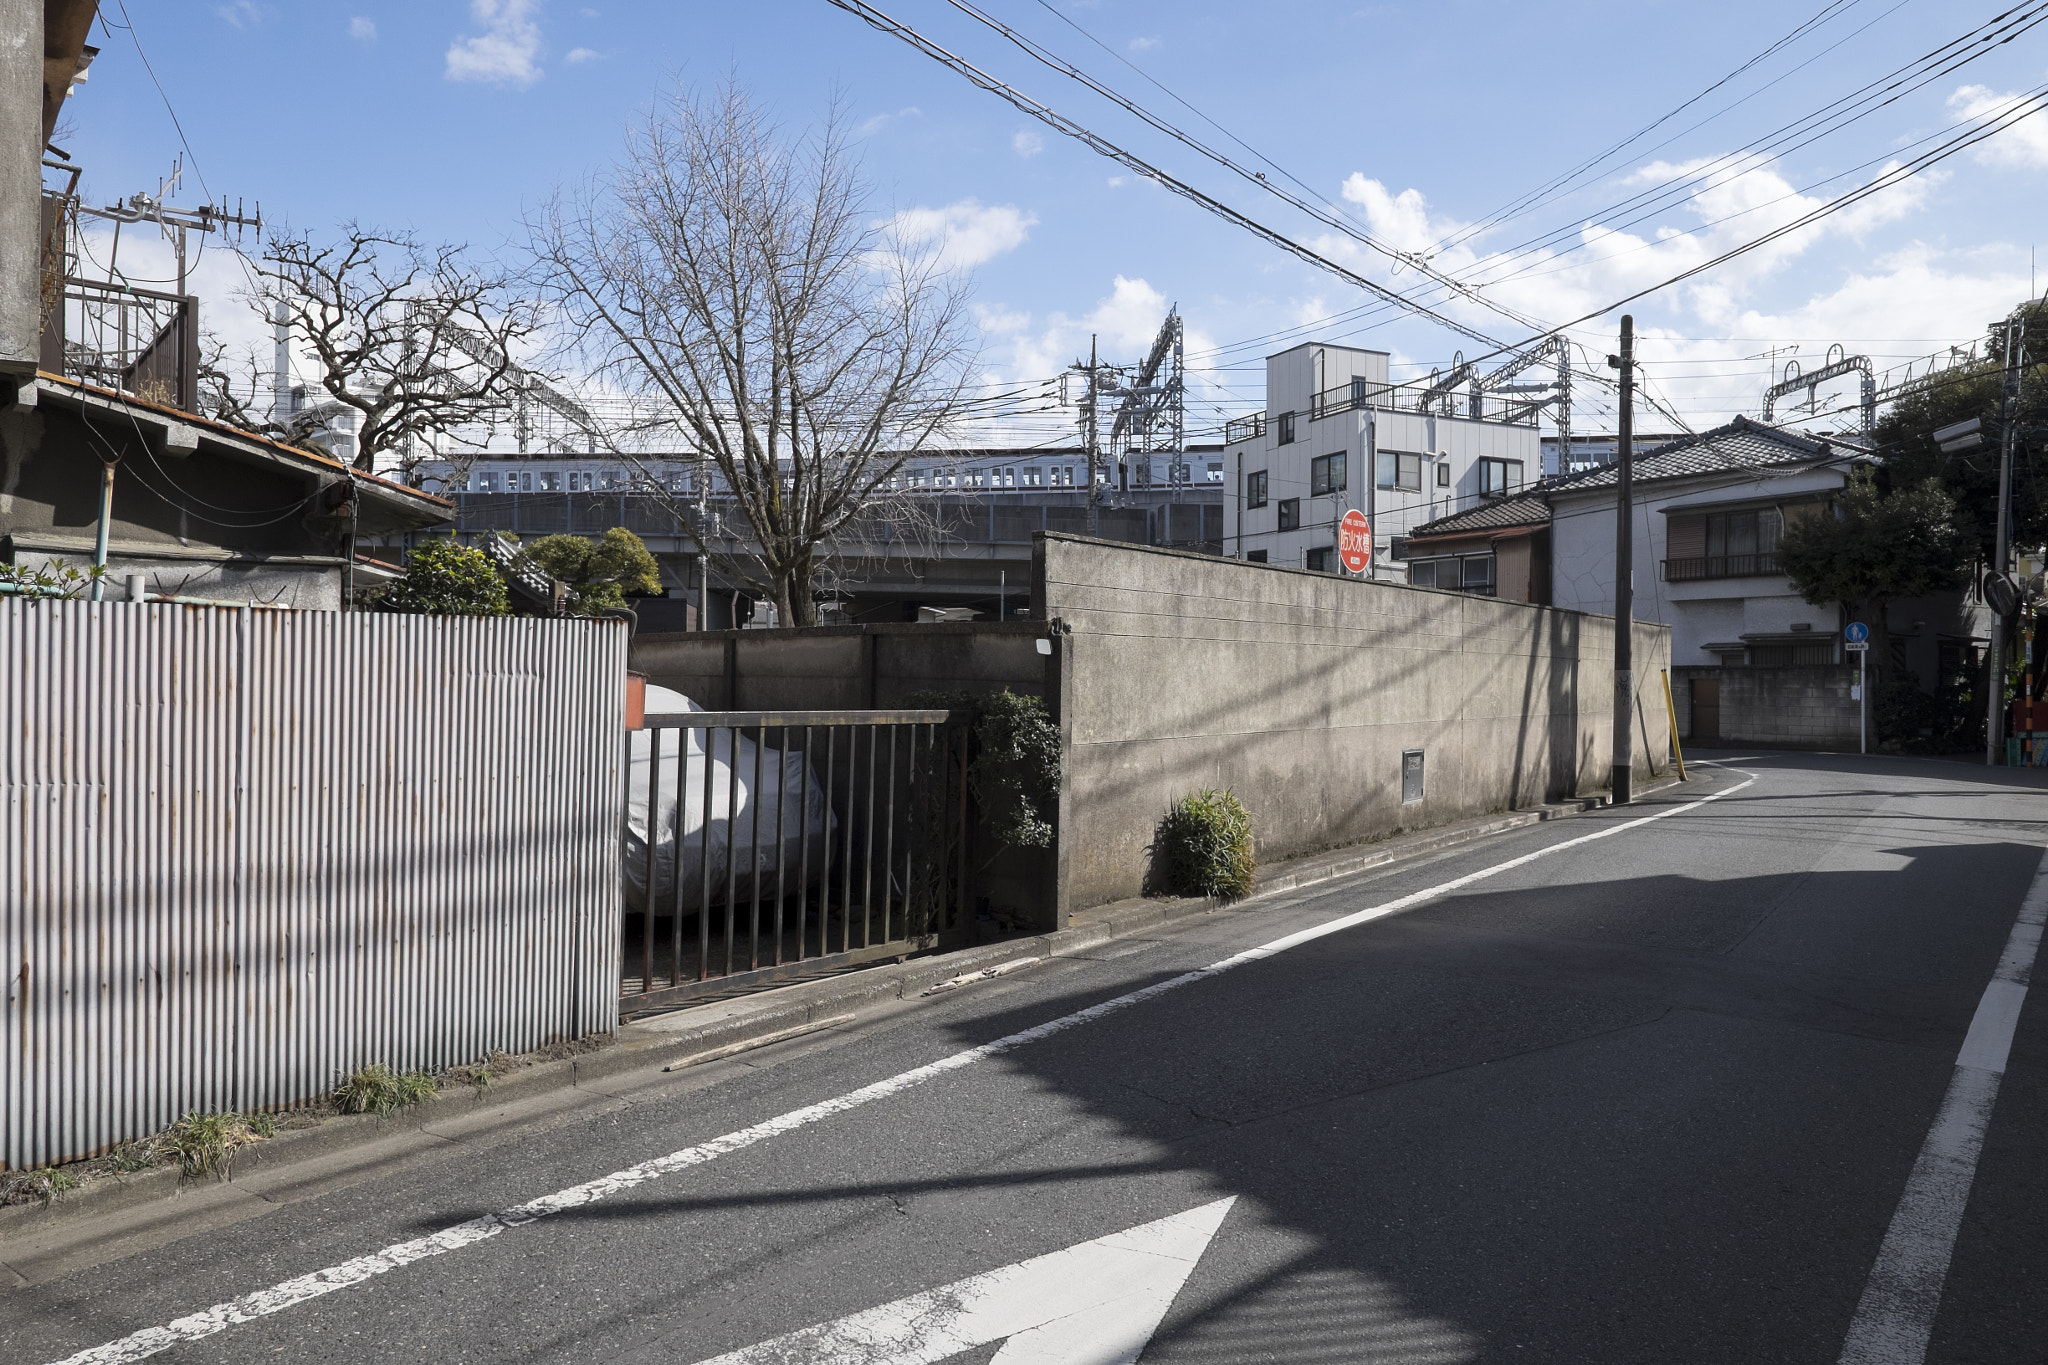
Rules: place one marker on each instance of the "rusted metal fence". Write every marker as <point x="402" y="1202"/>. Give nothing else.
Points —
<point x="246" y="852"/>
<point x="788" y="843"/>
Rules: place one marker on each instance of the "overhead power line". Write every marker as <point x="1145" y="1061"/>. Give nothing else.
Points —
<point x="1257" y="179"/>
<point x="1103" y="147"/>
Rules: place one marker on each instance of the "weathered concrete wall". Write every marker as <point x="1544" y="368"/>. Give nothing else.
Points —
<point x="1777" y="708"/>
<point x="1300" y="691"/>
<point x="828" y="668"/>
<point x="21" y="184"/>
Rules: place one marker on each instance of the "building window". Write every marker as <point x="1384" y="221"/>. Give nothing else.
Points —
<point x="1254" y="556"/>
<point x="1498" y="478"/>
<point x="1320" y="558"/>
<point x="1255" y="489"/>
<point x="1286" y="424"/>
<point x="1723" y="545"/>
<point x="1290" y="514"/>
<point x="1473" y="574"/>
<point x="1326" y="474"/>
<point x="1443" y="473"/>
<point x="1400" y="471"/>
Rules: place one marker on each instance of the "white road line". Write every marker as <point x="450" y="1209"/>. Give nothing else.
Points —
<point x="277" y="1298"/>
<point x="1895" y="1317"/>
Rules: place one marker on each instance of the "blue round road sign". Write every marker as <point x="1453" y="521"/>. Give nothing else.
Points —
<point x="1857" y="633"/>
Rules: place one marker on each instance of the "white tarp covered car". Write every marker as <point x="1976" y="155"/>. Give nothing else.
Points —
<point x="786" y="780"/>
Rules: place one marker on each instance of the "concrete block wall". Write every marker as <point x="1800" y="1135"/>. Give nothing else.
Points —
<point x="1807" y="707"/>
<point x="826" y="668"/>
<point x="1300" y="691"/>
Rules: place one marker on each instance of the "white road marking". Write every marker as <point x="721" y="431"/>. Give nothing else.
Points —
<point x="1895" y="1317"/>
<point x="277" y="1298"/>
<point x="1094" y="1303"/>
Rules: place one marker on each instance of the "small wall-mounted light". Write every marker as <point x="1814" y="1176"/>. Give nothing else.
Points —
<point x="1044" y="645"/>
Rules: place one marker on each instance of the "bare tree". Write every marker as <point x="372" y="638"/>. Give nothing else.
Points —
<point x="416" y="341"/>
<point x="231" y="388"/>
<point x="735" y="282"/>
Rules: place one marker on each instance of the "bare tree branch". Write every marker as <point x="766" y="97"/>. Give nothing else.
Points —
<point x="417" y="341"/>
<point x="735" y="281"/>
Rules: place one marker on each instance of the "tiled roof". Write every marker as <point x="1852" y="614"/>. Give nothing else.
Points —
<point x="1740" y="445"/>
<point x="1496" y="514"/>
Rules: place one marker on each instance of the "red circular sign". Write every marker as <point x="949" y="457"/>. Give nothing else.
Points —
<point x="1354" y="541"/>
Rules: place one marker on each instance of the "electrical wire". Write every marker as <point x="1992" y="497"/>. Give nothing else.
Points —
<point x="1103" y="147"/>
<point x="1552" y="188"/>
<point x="1255" y="178"/>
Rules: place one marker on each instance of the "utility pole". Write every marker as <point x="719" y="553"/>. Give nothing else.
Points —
<point x="1094" y="497"/>
<point x="1994" y="720"/>
<point x="1624" y="567"/>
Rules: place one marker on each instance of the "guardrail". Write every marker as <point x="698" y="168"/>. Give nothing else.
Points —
<point x="788" y="844"/>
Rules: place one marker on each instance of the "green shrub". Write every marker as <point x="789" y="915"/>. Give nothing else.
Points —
<point x="1015" y="768"/>
<point x="600" y="572"/>
<point x="446" y="579"/>
<point x="1204" y="847"/>
<point x="377" y="1089"/>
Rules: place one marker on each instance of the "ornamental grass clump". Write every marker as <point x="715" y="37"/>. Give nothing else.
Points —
<point x="377" y="1089"/>
<point x="207" y="1144"/>
<point x="1204" y="846"/>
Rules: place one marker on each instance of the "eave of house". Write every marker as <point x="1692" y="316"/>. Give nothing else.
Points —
<point x="385" y="506"/>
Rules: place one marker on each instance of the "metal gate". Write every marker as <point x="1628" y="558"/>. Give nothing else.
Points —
<point x="744" y="883"/>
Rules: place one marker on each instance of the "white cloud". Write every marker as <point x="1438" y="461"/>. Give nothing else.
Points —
<point x="2021" y="145"/>
<point x="881" y="122"/>
<point x="1027" y="143"/>
<point x="577" y="56"/>
<point x="504" y="53"/>
<point x="362" y="29"/>
<point x="1115" y="182"/>
<point x="241" y="13"/>
<point x="963" y="234"/>
<point x="1700" y="338"/>
<point x="1143" y="44"/>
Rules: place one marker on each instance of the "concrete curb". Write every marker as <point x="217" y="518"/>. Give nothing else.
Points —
<point x="710" y="1032"/>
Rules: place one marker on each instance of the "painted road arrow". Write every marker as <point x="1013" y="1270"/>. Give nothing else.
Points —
<point x="1096" y="1303"/>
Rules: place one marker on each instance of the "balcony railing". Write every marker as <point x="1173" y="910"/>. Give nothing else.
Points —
<point x="1244" y="428"/>
<point x="139" y="341"/>
<point x="1719" y="566"/>
<point x="1357" y="393"/>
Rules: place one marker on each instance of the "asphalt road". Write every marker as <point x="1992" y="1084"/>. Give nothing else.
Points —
<point x="1653" y="1097"/>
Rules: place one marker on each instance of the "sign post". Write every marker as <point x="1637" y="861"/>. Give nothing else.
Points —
<point x="1354" y="541"/>
<point x="1857" y="636"/>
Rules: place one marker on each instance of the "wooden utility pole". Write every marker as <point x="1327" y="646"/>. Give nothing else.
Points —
<point x="1624" y="567"/>
<point x="2008" y="417"/>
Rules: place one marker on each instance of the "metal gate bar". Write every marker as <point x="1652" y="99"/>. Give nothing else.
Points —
<point x="900" y="795"/>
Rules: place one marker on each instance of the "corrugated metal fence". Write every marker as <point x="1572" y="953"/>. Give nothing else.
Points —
<point x="245" y="852"/>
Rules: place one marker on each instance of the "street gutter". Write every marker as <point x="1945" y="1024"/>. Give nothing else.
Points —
<point x="706" y="1033"/>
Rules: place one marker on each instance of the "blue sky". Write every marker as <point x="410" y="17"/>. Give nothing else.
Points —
<point x="453" y="118"/>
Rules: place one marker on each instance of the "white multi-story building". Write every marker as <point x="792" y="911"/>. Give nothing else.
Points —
<point x="1331" y="418"/>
